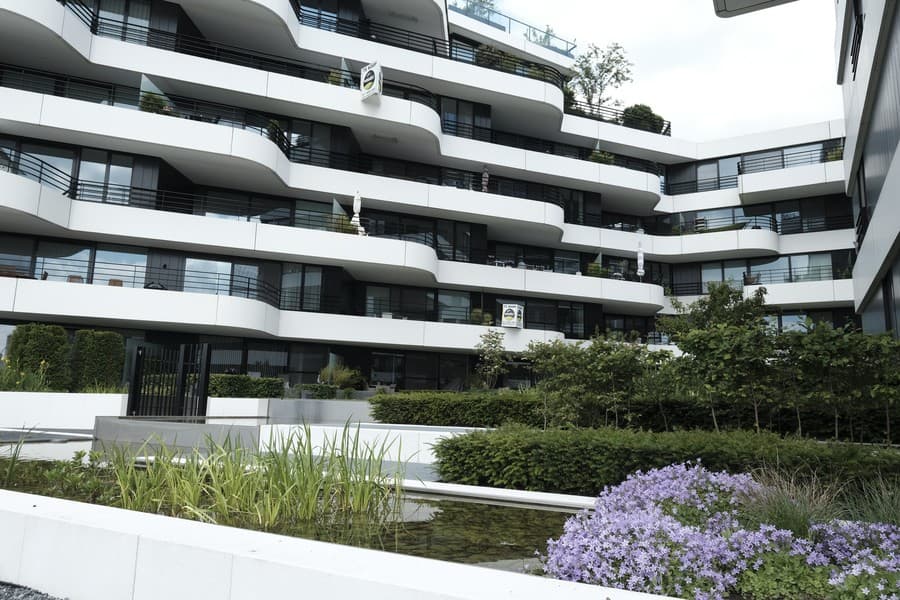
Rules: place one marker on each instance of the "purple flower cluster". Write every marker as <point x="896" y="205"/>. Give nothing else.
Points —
<point x="675" y="531"/>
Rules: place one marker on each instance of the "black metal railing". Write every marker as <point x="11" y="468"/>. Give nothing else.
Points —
<point x="701" y="185"/>
<point x="515" y="140"/>
<point x="27" y="165"/>
<point x="197" y="46"/>
<point x="793" y="275"/>
<point x="862" y="226"/>
<point x="543" y="37"/>
<point x="789" y="158"/>
<point x="615" y="116"/>
<point x="483" y="56"/>
<point x="791" y="225"/>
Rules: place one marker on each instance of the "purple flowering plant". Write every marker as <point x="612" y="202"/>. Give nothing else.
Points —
<point x="676" y="531"/>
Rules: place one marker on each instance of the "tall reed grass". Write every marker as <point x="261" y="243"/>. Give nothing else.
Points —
<point x="291" y="484"/>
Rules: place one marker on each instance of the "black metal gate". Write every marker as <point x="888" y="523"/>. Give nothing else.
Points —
<point x="170" y="381"/>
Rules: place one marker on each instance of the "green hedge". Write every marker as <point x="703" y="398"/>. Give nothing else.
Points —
<point x="33" y="343"/>
<point x="244" y="386"/>
<point x="97" y="359"/>
<point x="584" y="461"/>
<point x="466" y="409"/>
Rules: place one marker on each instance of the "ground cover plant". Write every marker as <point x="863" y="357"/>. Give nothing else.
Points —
<point x="684" y="530"/>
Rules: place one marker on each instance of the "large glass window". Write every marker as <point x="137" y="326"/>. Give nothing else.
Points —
<point x="707" y="176"/>
<point x="808" y="154"/>
<point x="570" y="318"/>
<point x="62" y="261"/>
<point x="811" y="267"/>
<point x="378" y="301"/>
<point x="119" y="266"/>
<point x="207" y="276"/>
<point x="733" y="272"/>
<point x="453" y="306"/>
<point x="8" y="155"/>
<point x="291" y="286"/>
<point x="710" y="272"/>
<point x="774" y="269"/>
<point x="245" y="282"/>
<point x="787" y="215"/>
<point x="421" y="371"/>
<point x="387" y="369"/>
<point x="565" y="261"/>
<point x="15" y="256"/>
<point x="105" y="176"/>
<point x="306" y="360"/>
<point x="454" y="370"/>
<point x="266" y="359"/>
<point x="312" y="288"/>
<point x="314" y="215"/>
<point x="60" y="161"/>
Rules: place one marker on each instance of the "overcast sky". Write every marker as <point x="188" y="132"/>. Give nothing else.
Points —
<point x="711" y="77"/>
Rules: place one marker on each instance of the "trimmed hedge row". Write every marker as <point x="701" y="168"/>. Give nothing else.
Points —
<point x="584" y="461"/>
<point x="244" y="386"/>
<point x="466" y="409"/>
<point x="32" y="345"/>
<point x="97" y="359"/>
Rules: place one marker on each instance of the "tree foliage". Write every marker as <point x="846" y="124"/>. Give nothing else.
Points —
<point x="641" y="116"/>
<point x="598" y="71"/>
<point x="492" y="357"/>
<point x="724" y="305"/>
<point x="590" y="384"/>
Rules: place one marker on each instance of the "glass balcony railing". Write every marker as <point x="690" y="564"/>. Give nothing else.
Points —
<point x="489" y="16"/>
<point x="486" y="56"/>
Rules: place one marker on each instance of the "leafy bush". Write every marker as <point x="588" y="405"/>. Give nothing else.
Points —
<point x="584" y="461"/>
<point x="641" y="116"/>
<point x="677" y="531"/>
<point x="342" y="377"/>
<point x="35" y="347"/>
<point x="452" y="409"/>
<point x="97" y="359"/>
<point x="244" y="386"/>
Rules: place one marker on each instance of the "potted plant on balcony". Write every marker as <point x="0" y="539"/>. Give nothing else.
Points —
<point x="602" y="157"/>
<point x="154" y="103"/>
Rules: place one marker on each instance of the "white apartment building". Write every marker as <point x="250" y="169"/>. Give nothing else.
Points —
<point x="188" y="172"/>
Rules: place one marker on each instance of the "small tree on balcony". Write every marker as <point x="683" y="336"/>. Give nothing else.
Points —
<point x="598" y="71"/>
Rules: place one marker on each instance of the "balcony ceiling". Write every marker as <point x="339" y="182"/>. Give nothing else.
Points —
<point x="733" y="8"/>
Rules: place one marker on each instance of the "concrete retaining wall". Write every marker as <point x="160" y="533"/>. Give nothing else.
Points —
<point x="86" y="552"/>
<point x="50" y="410"/>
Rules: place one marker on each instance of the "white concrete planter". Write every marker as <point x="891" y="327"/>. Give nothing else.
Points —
<point x="61" y="547"/>
<point x="51" y="410"/>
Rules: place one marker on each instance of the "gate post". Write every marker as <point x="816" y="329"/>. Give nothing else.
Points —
<point x="137" y="381"/>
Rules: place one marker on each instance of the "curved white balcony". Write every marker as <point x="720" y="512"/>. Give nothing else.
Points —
<point x="24" y="299"/>
<point x="29" y="206"/>
<point x="416" y="128"/>
<point x="807" y="294"/>
<point x="793" y="182"/>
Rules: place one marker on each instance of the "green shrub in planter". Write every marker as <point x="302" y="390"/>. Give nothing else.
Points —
<point x="321" y="391"/>
<point x="641" y="116"/>
<point x="244" y="386"/>
<point x="458" y="409"/>
<point x="33" y="343"/>
<point x="584" y="461"/>
<point x="97" y="360"/>
<point x="342" y="377"/>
